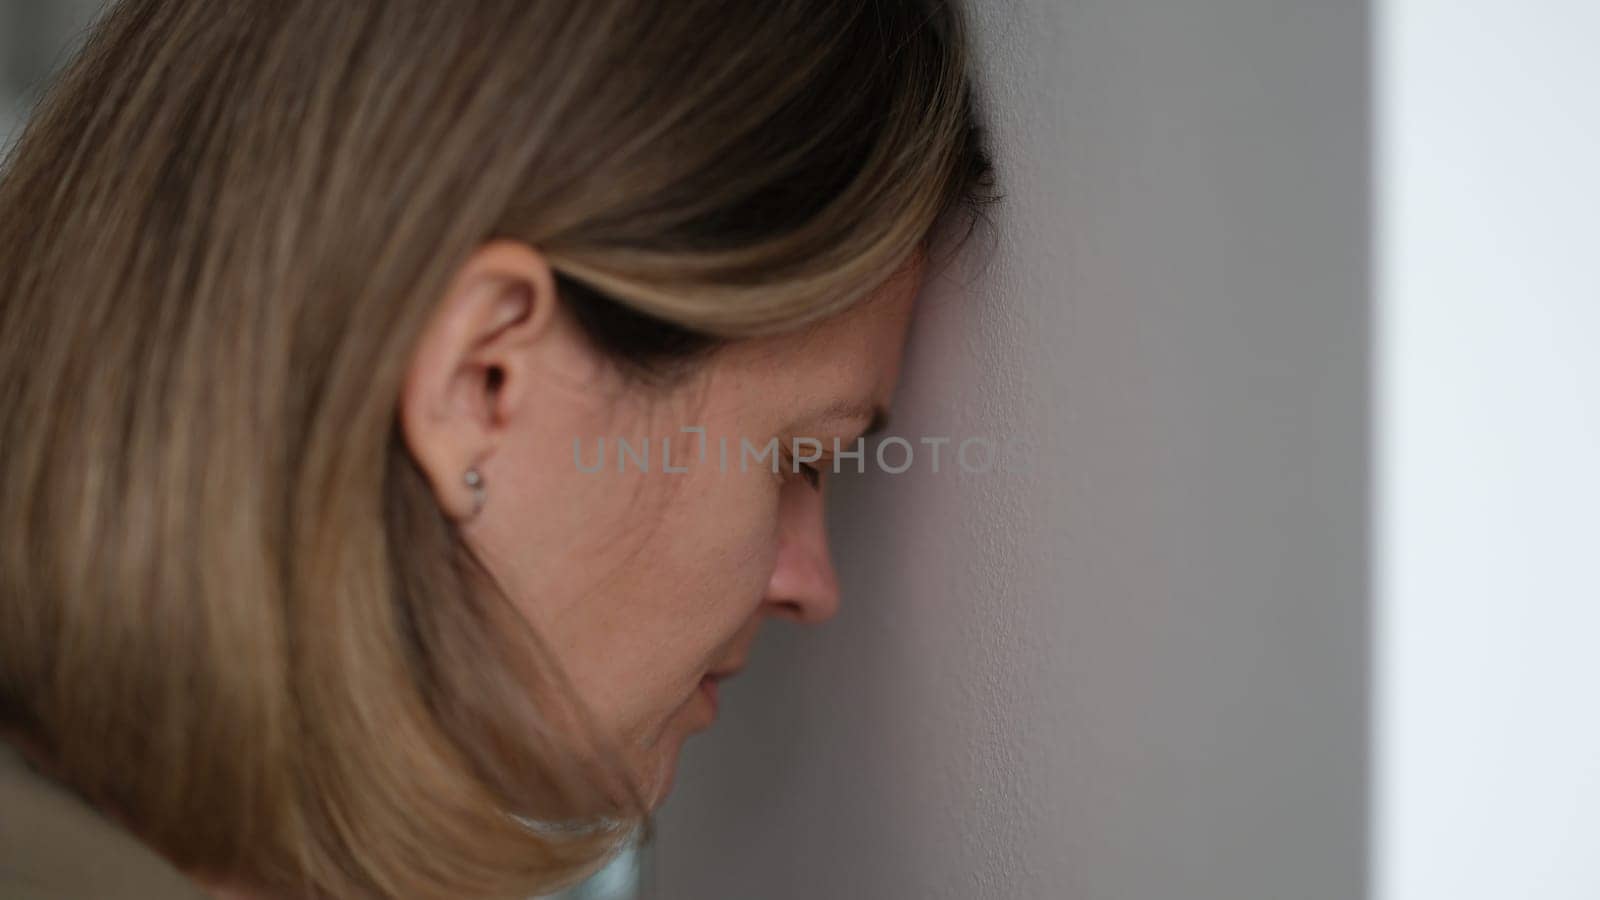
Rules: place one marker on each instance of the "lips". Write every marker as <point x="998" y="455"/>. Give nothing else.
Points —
<point x="708" y="684"/>
<point x="726" y="672"/>
<point x="708" y="688"/>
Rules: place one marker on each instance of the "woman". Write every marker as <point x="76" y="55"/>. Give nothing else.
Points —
<point x="314" y="317"/>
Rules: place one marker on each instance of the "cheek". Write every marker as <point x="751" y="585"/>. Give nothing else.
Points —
<point x="715" y="552"/>
<point x="666" y="592"/>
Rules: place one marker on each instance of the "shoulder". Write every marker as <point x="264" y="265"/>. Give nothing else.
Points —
<point x="53" y="844"/>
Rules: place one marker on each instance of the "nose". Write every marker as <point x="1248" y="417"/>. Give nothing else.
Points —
<point x="803" y="587"/>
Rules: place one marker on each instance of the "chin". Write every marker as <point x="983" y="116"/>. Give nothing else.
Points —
<point x="666" y="766"/>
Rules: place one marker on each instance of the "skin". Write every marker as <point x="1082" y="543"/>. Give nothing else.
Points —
<point x="642" y="583"/>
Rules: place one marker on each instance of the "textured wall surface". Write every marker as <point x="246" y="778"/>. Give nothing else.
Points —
<point x="1137" y="671"/>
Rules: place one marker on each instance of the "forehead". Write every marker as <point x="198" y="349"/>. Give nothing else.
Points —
<point x="853" y="356"/>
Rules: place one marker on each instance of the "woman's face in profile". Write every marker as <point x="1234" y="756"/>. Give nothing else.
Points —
<point x="644" y="582"/>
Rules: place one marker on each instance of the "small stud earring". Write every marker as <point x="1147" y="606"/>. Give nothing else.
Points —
<point x="479" y="494"/>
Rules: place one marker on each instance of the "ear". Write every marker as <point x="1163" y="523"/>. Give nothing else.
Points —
<point x="470" y="368"/>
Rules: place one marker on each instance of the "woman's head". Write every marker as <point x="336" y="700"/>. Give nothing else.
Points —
<point x="645" y="529"/>
<point x="275" y="276"/>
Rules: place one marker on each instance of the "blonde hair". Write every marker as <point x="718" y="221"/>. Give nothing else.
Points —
<point x="230" y="606"/>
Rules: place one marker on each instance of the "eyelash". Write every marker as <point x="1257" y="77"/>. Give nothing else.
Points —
<point x="811" y="473"/>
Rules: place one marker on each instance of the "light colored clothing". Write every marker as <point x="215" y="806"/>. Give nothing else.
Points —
<point x="55" y="845"/>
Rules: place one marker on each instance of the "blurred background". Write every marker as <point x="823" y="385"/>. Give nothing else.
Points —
<point x="35" y="37"/>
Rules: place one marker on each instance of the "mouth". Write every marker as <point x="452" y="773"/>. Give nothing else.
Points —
<point x="708" y="689"/>
<point x="708" y="684"/>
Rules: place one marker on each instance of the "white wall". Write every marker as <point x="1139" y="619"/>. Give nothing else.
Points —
<point x="1138" y="672"/>
<point x="1488" y="526"/>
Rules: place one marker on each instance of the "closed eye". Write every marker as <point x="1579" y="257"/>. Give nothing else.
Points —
<point x="812" y="473"/>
